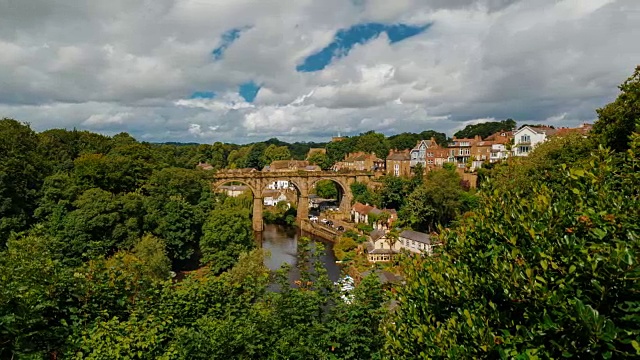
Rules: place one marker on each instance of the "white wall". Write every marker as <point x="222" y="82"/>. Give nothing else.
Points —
<point x="535" y="137"/>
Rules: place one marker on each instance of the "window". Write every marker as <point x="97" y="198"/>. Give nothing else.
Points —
<point x="525" y="139"/>
<point x="525" y="149"/>
<point x="430" y="162"/>
<point x="430" y="154"/>
<point x="452" y="152"/>
<point x="396" y="169"/>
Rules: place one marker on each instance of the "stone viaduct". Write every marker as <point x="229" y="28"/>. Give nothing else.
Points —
<point x="302" y="180"/>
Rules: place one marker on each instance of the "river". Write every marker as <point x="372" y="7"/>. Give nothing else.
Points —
<point x="282" y="242"/>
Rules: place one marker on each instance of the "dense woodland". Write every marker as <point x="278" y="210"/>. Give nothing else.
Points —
<point x="541" y="262"/>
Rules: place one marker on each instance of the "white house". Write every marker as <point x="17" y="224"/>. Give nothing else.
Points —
<point x="498" y="152"/>
<point x="528" y="137"/>
<point x="278" y="185"/>
<point x="379" y="247"/>
<point x="273" y="197"/>
<point x="233" y="190"/>
<point x="416" y="242"/>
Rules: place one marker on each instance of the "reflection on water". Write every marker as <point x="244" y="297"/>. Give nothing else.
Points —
<point x="282" y="241"/>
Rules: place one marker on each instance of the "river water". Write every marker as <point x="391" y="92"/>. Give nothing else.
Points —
<point x="282" y="243"/>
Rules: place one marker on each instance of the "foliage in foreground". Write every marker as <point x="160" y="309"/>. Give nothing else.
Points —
<point x="534" y="273"/>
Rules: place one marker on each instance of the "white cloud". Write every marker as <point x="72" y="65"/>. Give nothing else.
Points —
<point x="131" y="65"/>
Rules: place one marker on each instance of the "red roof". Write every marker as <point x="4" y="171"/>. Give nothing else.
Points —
<point x="362" y="208"/>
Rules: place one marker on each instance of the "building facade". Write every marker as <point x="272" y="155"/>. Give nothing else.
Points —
<point x="398" y="163"/>
<point x="360" y="161"/>
<point x="416" y="242"/>
<point x="528" y="137"/>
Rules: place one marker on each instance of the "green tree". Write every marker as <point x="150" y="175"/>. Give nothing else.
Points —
<point x="22" y="172"/>
<point x="485" y="129"/>
<point x="320" y="159"/>
<point x="100" y="223"/>
<point x="364" y="195"/>
<point x="33" y="288"/>
<point x="326" y="189"/>
<point x="540" y="273"/>
<point x="226" y="234"/>
<point x="437" y="202"/>
<point x="394" y="192"/>
<point x="619" y="119"/>
<point x="153" y="253"/>
<point x="372" y="142"/>
<point x="273" y="153"/>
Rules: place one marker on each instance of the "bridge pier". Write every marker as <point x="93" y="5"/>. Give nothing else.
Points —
<point x="258" y="224"/>
<point x="345" y="207"/>
<point x="303" y="208"/>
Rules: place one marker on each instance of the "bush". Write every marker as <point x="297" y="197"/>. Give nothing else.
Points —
<point x="535" y="273"/>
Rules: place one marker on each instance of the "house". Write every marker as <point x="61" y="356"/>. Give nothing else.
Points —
<point x="498" y="152"/>
<point x="501" y="137"/>
<point x="360" y="213"/>
<point x="460" y="151"/>
<point x="528" y="137"/>
<point x="234" y="190"/>
<point x="390" y="214"/>
<point x="379" y="248"/>
<point x="279" y="185"/>
<point x="416" y="242"/>
<point x="272" y="197"/>
<point x="399" y="163"/>
<point x="360" y="161"/>
<point x="428" y="154"/>
<point x="583" y="130"/>
<point x="480" y="152"/>
<point x="204" y="166"/>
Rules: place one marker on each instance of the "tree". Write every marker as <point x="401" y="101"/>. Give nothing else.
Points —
<point x="100" y="224"/>
<point x="226" y="234"/>
<point x="437" y="202"/>
<point x="372" y="142"/>
<point x="153" y="253"/>
<point x="321" y="160"/>
<point x="273" y="153"/>
<point x="394" y="192"/>
<point x="619" y="119"/>
<point x="485" y="129"/>
<point x="548" y="275"/>
<point x="327" y="189"/>
<point x="114" y="173"/>
<point x="22" y="172"/>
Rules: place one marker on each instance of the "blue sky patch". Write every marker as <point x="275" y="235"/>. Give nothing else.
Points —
<point x="345" y="39"/>
<point x="249" y="91"/>
<point x="226" y="40"/>
<point x="203" y="95"/>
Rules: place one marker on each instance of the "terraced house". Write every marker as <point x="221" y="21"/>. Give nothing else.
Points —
<point x="428" y="154"/>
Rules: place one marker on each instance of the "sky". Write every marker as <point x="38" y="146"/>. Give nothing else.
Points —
<point x="305" y="70"/>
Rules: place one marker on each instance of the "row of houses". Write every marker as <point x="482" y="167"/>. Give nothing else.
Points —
<point x="465" y="153"/>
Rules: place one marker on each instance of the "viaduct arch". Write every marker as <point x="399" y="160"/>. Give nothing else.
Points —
<point x="257" y="181"/>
